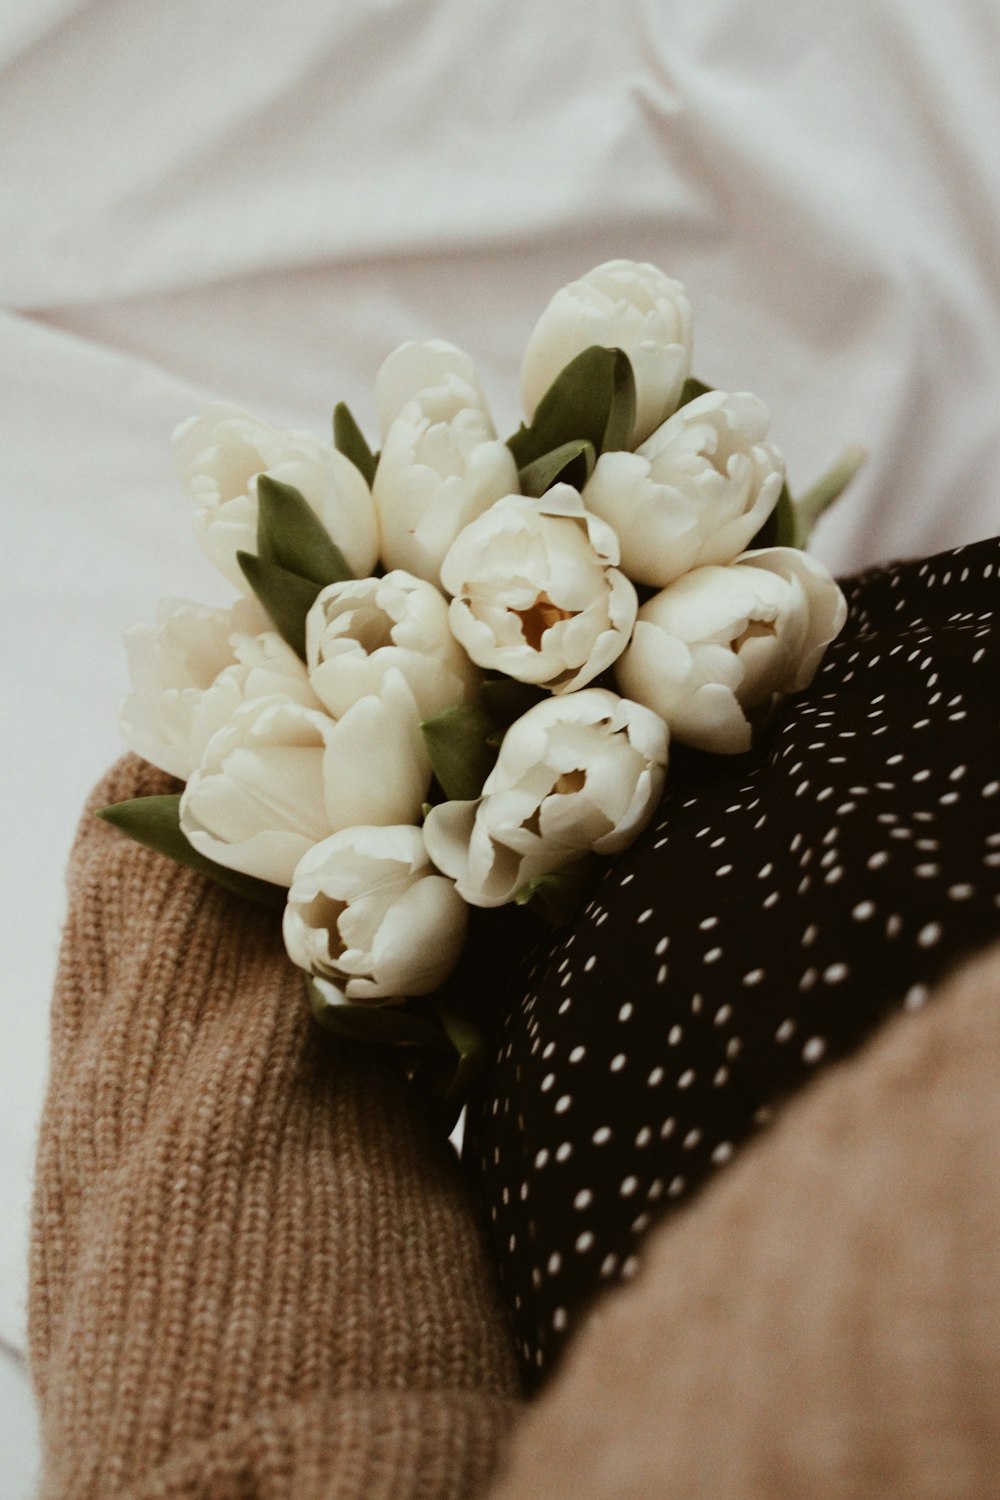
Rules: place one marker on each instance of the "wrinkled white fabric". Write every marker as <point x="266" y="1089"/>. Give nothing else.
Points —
<point x="256" y="202"/>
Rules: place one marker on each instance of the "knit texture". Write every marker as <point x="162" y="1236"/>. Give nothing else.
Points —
<point x="255" y="1270"/>
<point x="824" y="1323"/>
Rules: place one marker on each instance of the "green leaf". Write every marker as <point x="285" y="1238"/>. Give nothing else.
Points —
<point x="557" y="895"/>
<point x="580" y="403"/>
<point x="393" y="1025"/>
<point x="349" y="440"/>
<point x="291" y="535"/>
<point x="780" y="528"/>
<point x="155" y="822"/>
<point x="621" y="416"/>
<point x="286" y="597"/>
<point x="828" y="488"/>
<point x="470" y="1048"/>
<point x="571" y="462"/>
<point x="505" y="699"/>
<point x="457" y="743"/>
<point x="691" y="390"/>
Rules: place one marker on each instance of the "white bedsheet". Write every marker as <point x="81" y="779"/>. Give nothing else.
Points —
<point x="257" y="200"/>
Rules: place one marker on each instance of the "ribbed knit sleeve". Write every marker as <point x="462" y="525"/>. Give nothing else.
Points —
<point x="255" y="1270"/>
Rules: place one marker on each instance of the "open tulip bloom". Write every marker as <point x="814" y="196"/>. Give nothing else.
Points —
<point x="441" y="687"/>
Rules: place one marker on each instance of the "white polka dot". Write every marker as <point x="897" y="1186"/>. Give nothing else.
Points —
<point x="677" y="1186"/>
<point x="626" y="1010"/>
<point x="609" y="1265"/>
<point x="785" y="1030"/>
<point x="929" y="934"/>
<point x="601" y="1135"/>
<point x="644" y="916"/>
<point x="583" y="1199"/>
<point x="554" y="1263"/>
<point x="662" y="946"/>
<point x="644" y="1136"/>
<point x="814" y="1049"/>
<point x="722" y="1152"/>
<point x="686" y="1079"/>
<point x="835" y="973"/>
<point x="655" y="1077"/>
<point x="691" y="1139"/>
<point x="618" y="1062"/>
<point x="674" y="1035"/>
<point x="863" y="910"/>
<point x="708" y="922"/>
<point x="916" y="996"/>
<point x="547" y="1082"/>
<point x="961" y="892"/>
<point x="565" y="1151"/>
<point x="753" y="976"/>
<point x="577" y="1053"/>
<point x="541" y="1157"/>
<point x="628" y="1186"/>
<point x="712" y="956"/>
<point x="629" y="1267"/>
<point x="667" y="1128"/>
<point x="584" y="1241"/>
<point x="559" y="1319"/>
<point x="563" y="1104"/>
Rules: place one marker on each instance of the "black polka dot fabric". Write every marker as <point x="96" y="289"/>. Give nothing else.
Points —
<point x="776" y="909"/>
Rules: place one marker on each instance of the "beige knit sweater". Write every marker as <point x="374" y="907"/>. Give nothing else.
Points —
<point x="256" y="1273"/>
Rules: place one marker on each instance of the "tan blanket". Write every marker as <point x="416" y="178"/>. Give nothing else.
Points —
<point x="256" y="1274"/>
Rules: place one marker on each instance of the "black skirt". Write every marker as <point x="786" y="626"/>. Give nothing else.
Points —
<point x="778" y="907"/>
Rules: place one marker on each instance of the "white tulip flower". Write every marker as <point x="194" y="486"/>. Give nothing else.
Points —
<point x="356" y="632"/>
<point x="696" y="492"/>
<point x="368" y="912"/>
<point x="719" y="647"/>
<point x="536" y="591"/>
<point x="280" y="776"/>
<point x="575" y="774"/>
<point x="441" y="466"/>
<point x="191" y="670"/>
<point x="219" y="457"/>
<point x="621" y="304"/>
<point x="414" y="368"/>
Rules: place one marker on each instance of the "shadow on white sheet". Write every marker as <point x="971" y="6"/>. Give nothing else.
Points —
<point x="19" y="1457"/>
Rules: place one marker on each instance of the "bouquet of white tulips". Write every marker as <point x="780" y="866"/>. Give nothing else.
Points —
<point x="455" y="666"/>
